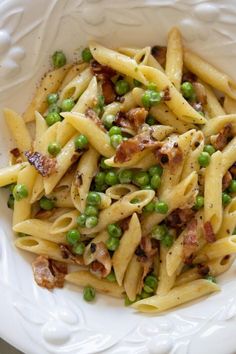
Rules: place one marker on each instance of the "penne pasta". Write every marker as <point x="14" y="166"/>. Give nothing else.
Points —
<point x="174" y="58"/>
<point x="9" y="175"/>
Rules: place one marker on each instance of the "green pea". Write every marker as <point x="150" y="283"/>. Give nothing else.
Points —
<point x="210" y="278"/>
<point x="91" y="210"/>
<point x="114" y="230"/>
<point x="103" y="164"/>
<point x="115" y="140"/>
<point x="108" y="120"/>
<point x="167" y="240"/>
<point x="161" y="207"/>
<point x="53" y="108"/>
<point x="159" y="231"/>
<point x="67" y="105"/>
<point x="144" y="294"/>
<point x="86" y="55"/>
<point x="151" y="281"/>
<point x="112" y="243"/>
<point x="155" y="181"/>
<point x="115" y="131"/>
<point x="52" y="118"/>
<point x="10" y="202"/>
<point x="204" y="159"/>
<point x="128" y="302"/>
<point x="52" y="98"/>
<point x="111" y="277"/>
<point x="81" y="142"/>
<point x="10" y="187"/>
<point x="91" y="221"/>
<point x="125" y="176"/>
<point x="100" y="188"/>
<point x="150" y="120"/>
<point x="89" y="293"/>
<point x="199" y="202"/>
<point x="100" y="105"/>
<point x="100" y="178"/>
<point x="187" y="90"/>
<point x="151" y="98"/>
<point x="147" y="289"/>
<point x="232" y="186"/>
<point x="46" y="203"/>
<point x="155" y="170"/>
<point x="79" y="248"/>
<point x="149" y="208"/>
<point x="73" y="236"/>
<point x="137" y="83"/>
<point x="141" y="178"/>
<point x="210" y="149"/>
<point x="93" y="198"/>
<point x="54" y="149"/>
<point x="58" y="59"/>
<point x="226" y="199"/>
<point x="81" y="219"/>
<point x="20" y="192"/>
<point x="152" y="86"/>
<point x="121" y="87"/>
<point x="111" y="178"/>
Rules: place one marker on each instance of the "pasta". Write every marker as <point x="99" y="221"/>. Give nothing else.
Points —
<point x="128" y="173"/>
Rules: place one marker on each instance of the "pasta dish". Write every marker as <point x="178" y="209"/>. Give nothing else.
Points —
<point x="129" y="175"/>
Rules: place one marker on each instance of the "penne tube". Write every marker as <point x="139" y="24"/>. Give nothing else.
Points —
<point x="62" y="198"/>
<point x="40" y="229"/>
<point x="229" y="220"/>
<point x="64" y="222"/>
<point x="191" y="163"/>
<point x="120" y="190"/>
<point x="96" y="136"/>
<point x="128" y="244"/>
<point x="133" y="277"/>
<point x="88" y="255"/>
<point x="228" y="155"/>
<point x="72" y="73"/>
<point x="213" y="106"/>
<point x="214" y="125"/>
<point x="174" y="57"/>
<point x="209" y="73"/>
<point x="229" y="105"/>
<point x="9" y="175"/>
<point x="166" y="281"/>
<point x="84" y="278"/>
<point x="65" y="131"/>
<point x="177" y="296"/>
<point x="88" y="97"/>
<point x="38" y="189"/>
<point x="40" y="128"/>
<point x="121" y="209"/>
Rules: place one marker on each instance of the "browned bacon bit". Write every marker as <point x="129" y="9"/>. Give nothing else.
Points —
<point x="67" y="254"/>
<point x="108" y="91"/>
<point x="203" y="269"/>
<point x="129" y="147"/>
<point x="49" y="273"/>
<point x="190" y="242"/>
<point x="169" y="152"/>
<point x="91" y="114"/>
<point x="45" y="165"/>
<point x="179" y="217"/>
<point x="101" y="71"/>
<point x="122" y="121"/>
<point x="15" y="152"/>
<point x="223" y="137"/>
<point x="137" y="117"/>
<point x="200" y="93"/>
<point x="227" y="178"/>
<point x="190" y="77"/>
<point x="101" y="260"/>
<point x="166" y="92"/>
<point x="159" y="53"/>
<point x="146" y="252"/>
<point x="233" y="170"/>
<point x="124" y="223"/>
<point x="209" y="233"/>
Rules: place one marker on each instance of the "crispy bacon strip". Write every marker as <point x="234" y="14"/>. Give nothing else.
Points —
<point x="169" y="152"/>
<point x="179" y="217"/>
<point x="190" y="77"/>
<point x="223" y="137"/>
<point x="45" y="165"/>
<point x="159" y="53"/>
<point x="100" y="259"/>
<point x="208" y="232"/>
<point x="146" y="252"/>
<point x="101" y="71"/>
<point x="200" y="91"/>
<point x="108" y="91"/>
<point x="227" y="178"/>
<point x="137" y="117"/>
<point x="233" y="170"/>
<point x="91" y="114"/>
<point x="203" y="269"/>
<point x="49" y="273"/>
<point x="190" y="241"/>
<point x="67" y="254"/>
<point x="122" y="121"/>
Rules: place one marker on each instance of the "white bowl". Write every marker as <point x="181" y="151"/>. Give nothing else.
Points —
<point x="38" y="321"/>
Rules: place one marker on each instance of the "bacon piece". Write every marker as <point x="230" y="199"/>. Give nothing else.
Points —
<point x="179" y="217"/>
<point x="100" y="259"/>
<point x="91" y="114"/>
<point x="200" y="91"/>
<point x="15" y="152"/>
<point x="190" y="242"/>
<point x="169" y="152"/>
<point x="137" y="117"/>
<point x="122" y="121"/>
<point x="124" y="223"/>
<point x="208" y="232"/>
<point x="101" y="71"/>
<point x="146" y="252"/>
<point x="159" y="53"/>
<point x="166" y="93"/>
<point x="190" y="77"/>
<point x="108" y="91"/>
<point x="233" y="170"/>
<point x="227" y="178"/>
<point x="203" y="269"/>
<point x="45" y="165"/>
<point x="223" y="137"/>
<point x="49" y="273"/>
<point x="138" y="143"/>
<point x="67" y="254"/>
